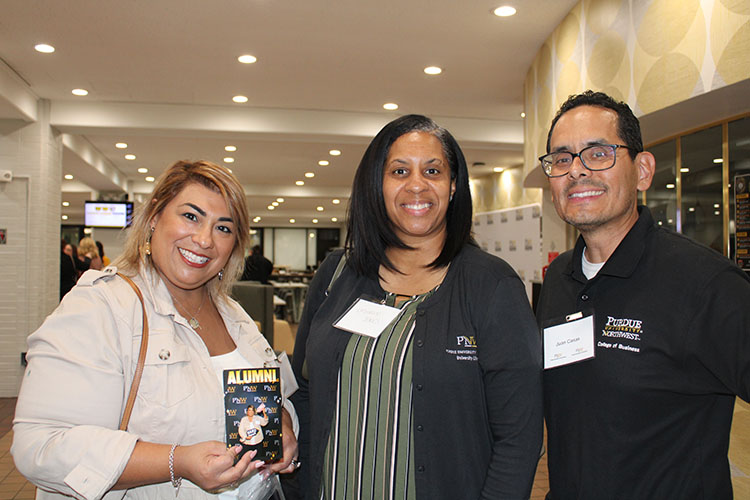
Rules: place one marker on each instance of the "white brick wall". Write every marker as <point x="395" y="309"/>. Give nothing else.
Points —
<point x="30" y="261"/>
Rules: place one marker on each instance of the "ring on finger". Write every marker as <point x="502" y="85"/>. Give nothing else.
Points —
<point x="295" y="463"/>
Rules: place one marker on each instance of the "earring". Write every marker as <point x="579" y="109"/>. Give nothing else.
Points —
<point x="147" y="246"/>
<point x="221" y="275"/>
<point x="451" y="198"/>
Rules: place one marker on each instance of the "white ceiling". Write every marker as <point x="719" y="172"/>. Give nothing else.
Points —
<point x="161" y="76"/>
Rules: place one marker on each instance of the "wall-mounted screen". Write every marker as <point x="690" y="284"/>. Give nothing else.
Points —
<point x="108" y="213"/>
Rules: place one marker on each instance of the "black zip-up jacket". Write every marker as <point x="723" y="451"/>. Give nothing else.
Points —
<point x="478" y="418"/>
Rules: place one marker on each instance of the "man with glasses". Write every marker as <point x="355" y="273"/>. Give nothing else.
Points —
<point x="646" y="333"/>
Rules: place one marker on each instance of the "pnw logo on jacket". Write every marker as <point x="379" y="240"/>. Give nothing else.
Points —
<point x="466" y="348"/>
<point x="622" y="333"/>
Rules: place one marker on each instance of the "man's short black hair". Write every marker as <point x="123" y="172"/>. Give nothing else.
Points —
<point x="628" y="127"/>
<point x="370" y="232"/>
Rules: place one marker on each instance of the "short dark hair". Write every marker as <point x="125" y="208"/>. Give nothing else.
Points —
<point x="628" y="127"/>
<point x="369" y="229"/>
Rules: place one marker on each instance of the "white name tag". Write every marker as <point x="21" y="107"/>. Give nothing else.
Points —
<point x="367" y="318"/>
<point x="569" y="342"/>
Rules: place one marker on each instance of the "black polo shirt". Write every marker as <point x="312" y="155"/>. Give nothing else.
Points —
<point x="648" y="417"/>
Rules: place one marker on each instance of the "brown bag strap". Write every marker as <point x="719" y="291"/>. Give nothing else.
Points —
<point x="141" y="357"/>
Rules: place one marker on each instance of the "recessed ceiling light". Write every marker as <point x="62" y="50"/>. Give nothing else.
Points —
<point x="150" y="179"/>
<point x="228" y="159"/>
<point x="64" y="217"/>
<point x="718" y="160"/>
<point x="68" y="177"/>
<point x="691" y="209"/>
<point x="390" y="106"/>
<point x="334" y="152"/>
<point x="256" y="219"/>
<point x="299" y="183"/>
<point x="335" y="201"/>
<point x="247" y="59"/>
<point x="684" y="169"/>
<point x="523" y="115"/>
<point x="319" y="208"/>
<point x="309" y="175"/>
<point x="314" y="221"/>
<point x="231" y="149"/>
<point x="670" y="221"/>
<point x="504" y="11"/>
<point x="271" y="207"/>
<point x="717" y="212"/>
<point x="121" y="145"/>
<point x="292" y="221"/>
<point x="44" y="48"/>
<point x="433" y="70"/>
<point x="66" y="203"/>
<point x="80" y="92"/>
<point x="497" y="169"/>
<point x="670" y="186"/>
<point x="324" y="163"/>
<point x="716" y="205"/>
<point x="334" y="219"/>
<point x="275" y="203"/>
<point x="130" y="157"/>
<point x="239" y="99"/>
<point x="143" y="170"/>
<point x="253" y="231"/>
<point x="280" y="200"/>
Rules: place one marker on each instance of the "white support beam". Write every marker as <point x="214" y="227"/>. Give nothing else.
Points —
<point x="17" y="101"/>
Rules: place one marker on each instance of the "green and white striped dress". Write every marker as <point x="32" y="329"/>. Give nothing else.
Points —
<point x="370" y="451"/>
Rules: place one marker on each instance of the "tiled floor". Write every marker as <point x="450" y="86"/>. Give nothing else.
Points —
<point x="14" y="487"/>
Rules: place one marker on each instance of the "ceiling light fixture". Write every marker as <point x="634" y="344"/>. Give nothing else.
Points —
<point x="64" y="217"/>
<point x="718" y="160"/>
<point x="335" y="201"/>
<point x="150" y="179"/>
<point x="497" y="169"/>
<point x="299" y="183"/>
<point x="44" y="48"/>
<point x="241" y="99"/>
<point x="334" y="152"/>
<point x="231" y="149"/>
<point x="670" y="186"/>
<point x="504" y="11"/>
<point x="324" y="163"/>
<point x="292" y="221"/>
<point x="130" y="157"/>
<point x="433" y="70"/>
<point x="247" y="59"/>
<point x="80" y="92"/>
<point x="523" y="115"/>
<point x="256" y="219"/>
<point x="684" y="170"/>
<point x="271" y="207"/>
<point x="716" y="205"/>
<point x="309" y="175"/>
<point x="68" y="177"/>
<point x="717" y="212"/>
<point x="390" y="106"/>
<point x="228" y="159"/>
<point x="66" y="203"/>
<point x="691" y="209"/>
<point x="314" y="221"/>
<point x="319" y="208"/>
<point x="280" y="200"/>
<point x="275" y="203"/>
<point x="121" y="145"/>
<point x="143" y="170"/>
<point x="334" y="219"/>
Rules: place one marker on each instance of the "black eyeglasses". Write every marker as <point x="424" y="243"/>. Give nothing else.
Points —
<point x="597" y="157"/>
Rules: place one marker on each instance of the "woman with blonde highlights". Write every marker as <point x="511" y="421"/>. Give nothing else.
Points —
<point x="184" y="250"/>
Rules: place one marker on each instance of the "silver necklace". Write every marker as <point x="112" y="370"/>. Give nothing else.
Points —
<point x="194" y="323"/>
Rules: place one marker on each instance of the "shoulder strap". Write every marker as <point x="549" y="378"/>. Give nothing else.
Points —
<point x="337" y="272"/>
<point x="141" y="357"/>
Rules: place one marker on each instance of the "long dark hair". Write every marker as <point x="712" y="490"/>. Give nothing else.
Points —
<point x="369" y="231"/>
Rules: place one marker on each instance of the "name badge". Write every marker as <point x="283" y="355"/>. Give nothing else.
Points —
<point x="569" y="342"/>
<point x="365" y="317"/>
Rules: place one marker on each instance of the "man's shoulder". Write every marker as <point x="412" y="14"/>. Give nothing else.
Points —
<point x="668" y="248"/>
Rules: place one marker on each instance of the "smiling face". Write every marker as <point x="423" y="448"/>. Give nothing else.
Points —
<point x="417" y="187"/>
<point x="605" y="199"/>
<point x="193" y="238"/>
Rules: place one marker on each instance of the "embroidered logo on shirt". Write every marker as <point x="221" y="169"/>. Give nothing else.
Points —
<point x="619" y="330"/>
<point x="467" y="348"/>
